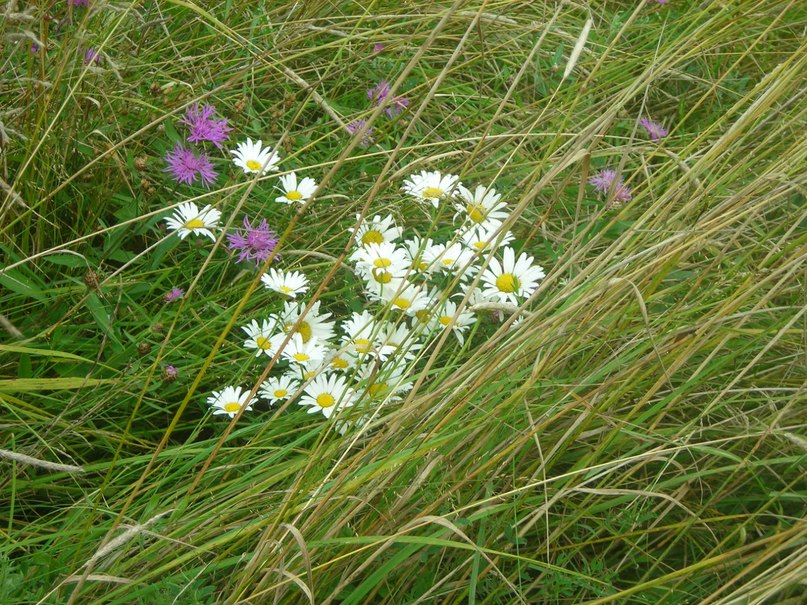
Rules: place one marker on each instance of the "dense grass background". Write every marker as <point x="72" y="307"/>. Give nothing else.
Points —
<point x="640" y="438"/>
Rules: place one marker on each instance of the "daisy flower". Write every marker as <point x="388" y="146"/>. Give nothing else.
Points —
<point x="204" y="127"/>
<point x="361" y="334"/>
<point x="294" y="191"/>
<point x="376" y="231"/>
<point x="483" y="239"/>
<point x="431" y="186"/>
<point x="327" y="393"/>
<point x="447" y="314"/>
<point x="290" y="283"/>
<point x="278" y="388"/>
<point x="342" y="359"/>
<point x="381" y="262"/>
<point x="654" y="129"/>
<point x="482" y="207"/>
<point x="262" y="337"/>
<point x="308" y="355"/>
<point x="229" y="401"/>
<point x="185" y="166"/>
<point x="188" y="219"/>
<point x="511" y="278"/>
<point x="387" y="384"/>
<point x="422" y="254"/>
<point x="313" y="327"/>
<point x="253" y="157"/>
<point x="456" y="257"/>
<point x="603" y="182"/>
<point x="400" y="341"/>
<point x="406" y="296"/>
<point x="254" y="243"/>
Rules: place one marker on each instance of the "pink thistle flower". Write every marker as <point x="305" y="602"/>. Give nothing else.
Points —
<point x="204" y="127"/>
<point x="170" y="373"/>
<point x="92" y="56"/>
<point x="355" y="126"/>
<point x="254" y="243"/>
<point x="603" y="181"/>
<point x="185" y="166"/>
<point x="654" y="129"/>
<point x="377" y="48"/>
<point x="380" y="95"/>
<point x="173" y="294"/>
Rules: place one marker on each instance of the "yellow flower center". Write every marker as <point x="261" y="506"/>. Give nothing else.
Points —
<point x="423" y="315"/>
<point x="339" y="363"/>
<point x="362" y="345"/>
<point x="294" y="196"/>
<point x="286" y="289"/>
<point x="507" y="282"/>
<point x="476" y="212"/>
<point x="263" y="343"/>
<point x="195" y="223"/>
<point x="231" y="407"/>
<point x="382" y="277"/>
<point x="253" y="165"/>
<point x="280" y="393"/>
<point x="421" y="265"/>
<point x="445" y="320"/>
<point x="309" y="375"/>
<point x="325" y="400"/>
<point x="372" y="237"/>
<point x="304" y="330"/>
<point x="301" y="357"/>
<point x="433" y="192"/>
<point x="375" y="389"/>
<point x="402" y="303"/>
<point x="447" y="262"/>
<point x="382" y="263"/>
<point x="480" y="245"/>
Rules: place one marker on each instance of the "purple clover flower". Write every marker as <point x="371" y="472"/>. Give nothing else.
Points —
<point x="254" y="243"/>
<point x="204" y="127"/>
<point x="79" y="2"/>
<point x="355" y="126"/>
<point x="654" y="129"/>
<point x="173" y="294"/>
<point x="377" y="48"/>
<point x="92" y="56"/>
<point x="185" y="166"/>
<point x="380" y="95"/>
<point x="603" y="181"/>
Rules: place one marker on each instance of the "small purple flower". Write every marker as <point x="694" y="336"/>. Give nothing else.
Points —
<point x="173" y="294"/>
<point x="204" y="127"/>
<point x="79" y="2"/>
<point x="654" y="129"/>
<point x="603" y="181"/>
<point x="170" y="373"/>
<point x="253" y="243"/>
<point x="377" y="48"/>
<point x="380" y="95"/>
<point x="355" y="126"/>
<point x="92" y="56"/>
<point x="185" y="166"/>
<point x="35" y="48"/>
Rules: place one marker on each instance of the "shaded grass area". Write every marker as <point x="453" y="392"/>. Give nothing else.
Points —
<point x="638" y="438"/>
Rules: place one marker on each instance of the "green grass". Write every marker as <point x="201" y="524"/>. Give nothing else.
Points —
<point x="639" y="438"/>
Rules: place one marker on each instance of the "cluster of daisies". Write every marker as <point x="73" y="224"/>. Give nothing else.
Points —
<point x="414" y="289"/>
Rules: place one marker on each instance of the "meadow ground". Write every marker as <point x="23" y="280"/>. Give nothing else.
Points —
<point x="590" y="389"/>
